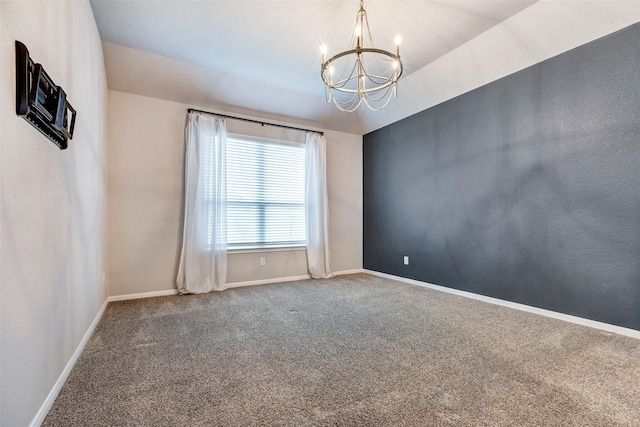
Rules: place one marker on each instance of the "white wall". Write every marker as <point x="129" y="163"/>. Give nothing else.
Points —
<point x="52" y="208"/>
<point x="146" y="152"/>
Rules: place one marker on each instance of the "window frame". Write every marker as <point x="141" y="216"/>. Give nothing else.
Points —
<point x="248" y="248"/>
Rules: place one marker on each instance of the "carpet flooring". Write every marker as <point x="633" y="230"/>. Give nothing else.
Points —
<point x="356" y="350"/>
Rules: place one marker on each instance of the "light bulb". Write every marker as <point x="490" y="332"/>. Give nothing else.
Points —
<point x="398" y="40"/>
<point x="323" y="49"/>
<point x="395" y="64"/>
<point x="358" y="30"/>
<point x="331" y="70"/>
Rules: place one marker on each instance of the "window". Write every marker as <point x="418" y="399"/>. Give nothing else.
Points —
<point x="265" y="193"/>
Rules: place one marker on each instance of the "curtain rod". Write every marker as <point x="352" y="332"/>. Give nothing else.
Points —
<point x="193" y="110"/>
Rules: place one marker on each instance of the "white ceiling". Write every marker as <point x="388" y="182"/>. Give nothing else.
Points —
<point x="262" y="58"/>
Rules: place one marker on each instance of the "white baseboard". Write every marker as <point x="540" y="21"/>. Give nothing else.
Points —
<point x="535" y="310"/>
<point x="268" y="281"/>
<point x="229" y="285"/>
<point x="51" y="397"/>
<point x="355" y="271"/>
<point x="142" y="295"/>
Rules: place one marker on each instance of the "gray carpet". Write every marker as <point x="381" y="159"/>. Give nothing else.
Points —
<point x="353" y="351"/>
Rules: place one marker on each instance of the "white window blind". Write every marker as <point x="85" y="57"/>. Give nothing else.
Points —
<point x="265" y="193"/>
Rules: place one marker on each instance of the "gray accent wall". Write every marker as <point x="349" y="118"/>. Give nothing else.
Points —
<point x="526" y="189"/>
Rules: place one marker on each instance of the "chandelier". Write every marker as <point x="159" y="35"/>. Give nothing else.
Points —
<point x="361" y="75"/>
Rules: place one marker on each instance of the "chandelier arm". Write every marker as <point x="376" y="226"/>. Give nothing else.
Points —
<point x="341" y="83"/>
<point x="367" y="90"/>
<point x="361" y="50"/>
<point x="386" y="81"/>
<point x="355" y="51"/>
<point x="347" y="65"/>
<point x="392" y="77"/>
<point x="340" y="86"/>
<point x="331" y="60"/>
<point x="392" y="57"/>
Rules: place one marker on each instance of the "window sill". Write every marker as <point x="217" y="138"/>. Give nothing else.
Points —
<point x="267" y="249"/>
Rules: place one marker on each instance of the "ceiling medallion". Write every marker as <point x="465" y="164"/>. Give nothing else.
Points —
<point x="361" y="75"/>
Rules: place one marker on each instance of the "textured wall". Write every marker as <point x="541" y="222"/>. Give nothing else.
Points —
<point x="146" y="156"/>
<point x="527" y="189"/>
<point x="53" y="205"/>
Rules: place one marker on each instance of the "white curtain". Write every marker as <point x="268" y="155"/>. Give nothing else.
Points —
<point x="317" y="209"/>
<point x="203" y="260"/>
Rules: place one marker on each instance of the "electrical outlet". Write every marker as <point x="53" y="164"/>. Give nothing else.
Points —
<point x="406" y="260"/>
<point x="263" y="261"/>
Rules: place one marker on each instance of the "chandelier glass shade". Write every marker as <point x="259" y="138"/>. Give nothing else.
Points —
<point x="361" y="75"/>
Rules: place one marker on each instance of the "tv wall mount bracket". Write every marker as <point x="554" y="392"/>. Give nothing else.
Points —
<point x="41" y="102"/>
